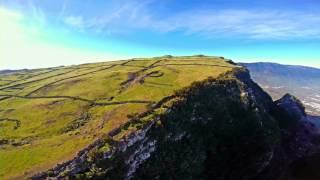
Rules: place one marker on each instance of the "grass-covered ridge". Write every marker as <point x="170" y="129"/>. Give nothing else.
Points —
<point x="48" y="115"/>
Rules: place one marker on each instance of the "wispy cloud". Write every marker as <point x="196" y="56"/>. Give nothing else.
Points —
<point x="120" y="18"/>
<point x="130" y="16"/>
<point x="76" y="21"/>
<point x="209" y="23"/>
<point x="242" y="23"/>
<point x="38" y="14"/>
<point x="63" y="8"/>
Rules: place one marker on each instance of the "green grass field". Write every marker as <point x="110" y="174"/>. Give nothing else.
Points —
<point x="48" y="115"/>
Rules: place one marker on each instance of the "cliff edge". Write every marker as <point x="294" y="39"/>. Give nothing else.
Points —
<point x="219" y="128"/>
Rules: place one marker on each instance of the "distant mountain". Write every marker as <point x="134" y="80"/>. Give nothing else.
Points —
<point x="278" y="79"/>
<point x="8" y="71"/>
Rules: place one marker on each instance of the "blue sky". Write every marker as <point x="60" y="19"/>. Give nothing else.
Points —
<point x="43" y="33"/>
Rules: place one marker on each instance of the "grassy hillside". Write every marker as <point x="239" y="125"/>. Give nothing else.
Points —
<point x="48" y="115"/>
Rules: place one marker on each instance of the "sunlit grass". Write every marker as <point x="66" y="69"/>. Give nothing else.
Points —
<point x="54" y="126"/>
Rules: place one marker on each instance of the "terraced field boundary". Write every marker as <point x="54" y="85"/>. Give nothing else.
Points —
<point x="37" y="80"/>
<point x="102" y="69"/>
<point x="17" y="122"/>
<point x="92" y="102"/>
<point x="11" y="82"/>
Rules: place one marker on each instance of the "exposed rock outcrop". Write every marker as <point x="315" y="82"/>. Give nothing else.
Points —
<point x="293" y="107"/>
<point x="299" y="139"/>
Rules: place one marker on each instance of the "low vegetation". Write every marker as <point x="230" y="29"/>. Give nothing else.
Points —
<point x="48" y="115"/>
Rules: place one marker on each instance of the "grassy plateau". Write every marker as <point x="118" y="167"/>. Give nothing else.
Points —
<point x="48" y="115"/>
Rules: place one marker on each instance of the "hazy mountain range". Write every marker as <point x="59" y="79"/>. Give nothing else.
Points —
<point x="278" y="79"/>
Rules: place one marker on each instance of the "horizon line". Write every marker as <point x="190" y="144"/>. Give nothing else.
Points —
<point x="121" y="59"/>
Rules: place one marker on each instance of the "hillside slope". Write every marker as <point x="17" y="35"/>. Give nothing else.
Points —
<point x="223" y="127"/>
<point x="193" y="117"/>
<point x="278" y="79"/>
<point x="48" y="115"/>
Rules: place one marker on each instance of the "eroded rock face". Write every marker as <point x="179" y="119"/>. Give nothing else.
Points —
<point x="293" y="107"/>
<point x="220" y="130"/>
<point x="302" y="136"/>
<point x="299" y="140"/>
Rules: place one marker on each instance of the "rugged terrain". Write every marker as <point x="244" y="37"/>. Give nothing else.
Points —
<point x="278" y="79"/>
<point x="304" y="83"/>
<point x="193" y="117"/>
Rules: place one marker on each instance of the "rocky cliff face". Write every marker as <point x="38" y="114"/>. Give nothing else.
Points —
<point x="299" y="142"/>
<point x="226" y="128"/>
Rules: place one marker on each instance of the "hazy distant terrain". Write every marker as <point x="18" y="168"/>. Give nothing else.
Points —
<point x="301" y="81"/>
